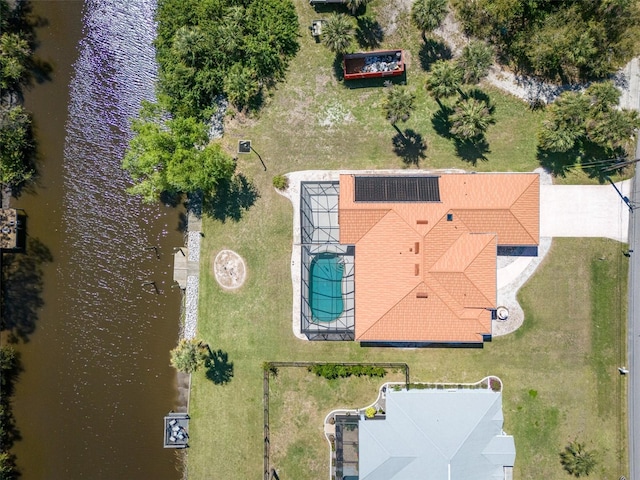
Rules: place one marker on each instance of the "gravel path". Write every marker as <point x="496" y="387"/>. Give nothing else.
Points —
<point x="191" y="292"/>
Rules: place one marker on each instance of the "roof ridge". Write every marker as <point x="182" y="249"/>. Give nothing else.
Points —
<point x="446" y="303"/>
<point x="471" y="430"/>
<point x="360" y="211"/>
<point x="464" y="272"/>
<point x="424" y="434"/>
<point x="514" y="216"/>
<point x="516" y="201"/>
<point x="422" y="282"/>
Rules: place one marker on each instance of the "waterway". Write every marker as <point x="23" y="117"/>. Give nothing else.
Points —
<point x="96" y="380"/>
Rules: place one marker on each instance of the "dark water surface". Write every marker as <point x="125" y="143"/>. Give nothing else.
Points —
<point x="96" y="380"/>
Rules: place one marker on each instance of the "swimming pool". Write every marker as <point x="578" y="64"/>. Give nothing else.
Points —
<point x="325" y="287"/>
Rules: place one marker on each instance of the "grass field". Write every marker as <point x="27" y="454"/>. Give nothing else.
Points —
<point x="559" y="370"/>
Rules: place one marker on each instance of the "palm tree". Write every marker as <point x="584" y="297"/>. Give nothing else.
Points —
<point x="577" y="461"/>
<point x="354" y="5"/>
<point x="571" y="109"/>
<point x="398" y="105"/>
<point x="241" y="85"/>
<point x="476" y="58"/>
<point x="470" y="119"/>
<point x="188" y="356"/>
<point x="188" y="44"/>
<point x="603" y="96"/>
<point x="428" y="15"/>
<point x="555" y="138"/>
<point x="337" y="32"/>
<point x="444" y="81"/>
<point x="613" y="129"/>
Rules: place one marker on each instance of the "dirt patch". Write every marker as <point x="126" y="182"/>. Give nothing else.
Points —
<point x="390" y="12"/>
<point x="229" y="269"/>
<point x="335" y="114"/>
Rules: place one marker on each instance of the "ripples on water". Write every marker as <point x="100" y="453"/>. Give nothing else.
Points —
<point x="110" y="318"/>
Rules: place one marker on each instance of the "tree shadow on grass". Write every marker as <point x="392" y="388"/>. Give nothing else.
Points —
<point x="431" y="51"/>
<point x="410" y="146"/>
<point x="21" y="288"/>
<point x="219" y="368"/>
<point x="480" y="96"/>
<point x="472" y="150"/>
<point x="557" y="163"/>
<point x="595" y="160"/>
<point x="232" y="198"/>
<point x="440" y="121"/>
<point x="369" y="33"/>
<point x="338" y="70"/>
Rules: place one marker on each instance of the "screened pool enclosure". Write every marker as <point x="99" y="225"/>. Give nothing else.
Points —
<point x="327" y="290"/>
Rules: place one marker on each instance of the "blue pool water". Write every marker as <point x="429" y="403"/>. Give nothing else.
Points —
<point x="325" y="287"/>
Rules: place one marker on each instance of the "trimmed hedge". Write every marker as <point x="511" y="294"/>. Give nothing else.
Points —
<point x="333" y="370"/>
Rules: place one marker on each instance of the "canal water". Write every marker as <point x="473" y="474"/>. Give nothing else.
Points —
<point x="96" y="380"/>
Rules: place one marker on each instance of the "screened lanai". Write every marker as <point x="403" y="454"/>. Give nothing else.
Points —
<point x="327" y="277"/>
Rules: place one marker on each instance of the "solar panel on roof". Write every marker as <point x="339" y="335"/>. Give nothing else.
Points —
<point x="397" y="189"/>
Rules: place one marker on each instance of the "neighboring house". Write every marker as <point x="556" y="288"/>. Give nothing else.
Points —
<point x="418" y="253"/>
<point x="434" y="433"/>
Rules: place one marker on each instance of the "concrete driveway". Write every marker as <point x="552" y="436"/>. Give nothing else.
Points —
<point x="584" y="211"/>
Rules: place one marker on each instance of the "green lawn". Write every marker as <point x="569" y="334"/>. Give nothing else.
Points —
<point x="559" y="369"/>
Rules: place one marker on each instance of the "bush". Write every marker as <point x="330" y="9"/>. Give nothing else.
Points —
<point x="280" y="182"/>
<point x="370" y="412"/>
<point x="331" y="371"/>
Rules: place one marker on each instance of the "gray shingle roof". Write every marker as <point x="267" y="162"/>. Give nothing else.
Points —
<point x="436" y="434"/>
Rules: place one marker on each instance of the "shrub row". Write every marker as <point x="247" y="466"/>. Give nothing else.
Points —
<point x="333" y="370"/>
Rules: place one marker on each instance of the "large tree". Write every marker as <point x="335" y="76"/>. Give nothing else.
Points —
<point x="444" y="80"/>
<point x="188" y="356"/>
<point x="199" y="43"/>
<point x="470" y="119"/>
<point x="14" y="54"/>
<point x="428" y="15"/>
<point x="17" y="146"/>
<point x="475" y="61"/>
<point x="398" y="105"/>
<point x="354" y="5"/>
<point x="337" y="33"/>
<point x="577" y="119"/>
<point x="241" y="86"/>
<point x="173" y="156"/>
<point x="567" y="41"/>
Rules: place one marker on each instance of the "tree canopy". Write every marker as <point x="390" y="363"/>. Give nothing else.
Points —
<point x="172" y="155"/>
<point x="470" y="119"/>
<point x="338" y="33"/>
<point x="591" y="117"/>
<point x="578" y="461"/>
<point x="398" y="104"/>
<point x="475" y="61"/>
<point x="201" y="42"/>
<point x="427" y="15"/>
<point x="188" y="356"/>
<point x="16" y="138"/>
<point x="567" y="41"/>
<point x="444" y="79"/>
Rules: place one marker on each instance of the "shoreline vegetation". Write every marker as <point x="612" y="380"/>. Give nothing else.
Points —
<point x="287" y="95"/>
<point x="205" y="48"/>
<point x="19" y="69"/>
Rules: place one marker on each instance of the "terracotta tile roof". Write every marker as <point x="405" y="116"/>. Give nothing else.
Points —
<point x="427" y="271"/>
